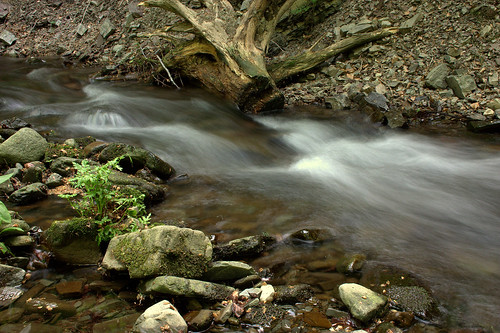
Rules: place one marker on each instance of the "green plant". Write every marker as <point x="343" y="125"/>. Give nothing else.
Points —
<point x="5" y="218"/>
<point x="108" y="205"/>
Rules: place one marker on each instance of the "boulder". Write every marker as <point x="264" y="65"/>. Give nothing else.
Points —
<point x="437" y="77"/>
<point x="363" y="303"/>
<point x="176" y="286"/>
<point x="29" y="194"/>
<point x="24" y="146"/>
<point x="159" y="316"/>
<point x="73" y="241"/>
<point x="11" y="276"/>
<point x="136" y="159"/>
<point x="163" y="250"/>
<point x="461" y="85"/>
<point x="64" y="165"/>
<point x="54" y="180"/>
<point x="228" y="271"/>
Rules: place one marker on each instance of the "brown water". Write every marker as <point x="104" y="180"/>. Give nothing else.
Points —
<point x="428" y="204"/>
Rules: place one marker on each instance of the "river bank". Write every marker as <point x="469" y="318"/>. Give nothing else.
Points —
<point x="441" y="73"/>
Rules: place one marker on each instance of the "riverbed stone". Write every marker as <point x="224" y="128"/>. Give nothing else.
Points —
<point x="228" y="271"/>
<point x="199" y="321"/>
<point x="7" y="37"/>
<point x="26" y="145"/>
<point x="242" y="248"/>
<point x="267" y="293"/>
<point x="157" y="317"/>
<point x="11" y="315"/>
<point x="461" y="85"/>
<point x="50" y="306"/>
<point x="413" y="299"/>
<point x="293" y="293"/>
<point x="73" y="241"/>
<point x="135" y="159"/>
<point x="163" y="250"/>
<point x="350" y="264"/>
<point x="363" y="303"/>
<point x="176" y="286"/>
<point x="14" y="232"/>
<point x="153" y="192"/>
<point x="107" y="28"/>
<point x="8" y="295"/>
<point x="29" y="194"/>
<point x="117" y="325"/>
<point x="484" y="126"/>
<point x="437" y="77"/>
<point x="54" y="180"/>
<point x="409" y="24"/>
<point x="19" y="241"/>
<point x="70" y="288"/>
<point x="64" y="166"/>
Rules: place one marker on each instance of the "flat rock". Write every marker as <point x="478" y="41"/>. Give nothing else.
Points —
<point x="199" y="321"/>
<point x="70" y="288"/>
<point x="163" y="250"/>
<point x="107" y="28"/>
<point x="461" y="85"/>
<point x="26" y="145"/>
<point x="11" y="276"/>
<point x="437" y="77"/>
<point x="176" y="286"/>
<point x="155" y="318"/>
<point x="7" y="38"/>
<point x="363" y="303"/>
<point x="228" y="271"/>
<point x="242" y="248"/>
<point x="11" y="315"/>
<point x="9" y="295"/>
<point x="50" y="306"/>
<point x="117" y="325"/>
<point x="484" y="126"/>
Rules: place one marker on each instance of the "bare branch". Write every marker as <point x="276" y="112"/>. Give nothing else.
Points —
<point x="168" y="72"/>
<point x="310" y="59"/>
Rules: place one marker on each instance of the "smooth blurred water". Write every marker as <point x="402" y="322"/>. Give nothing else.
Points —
<point x="429" y="204"/>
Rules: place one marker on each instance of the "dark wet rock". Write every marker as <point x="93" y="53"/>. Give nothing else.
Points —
<point x="437" y="77"/>
<point x="338" y="102"/>
<point x="107" y="286"/>
<point x="228" y="271"/>
<point x="7" y="38"/>
<point x="157" y="317"/>
<point x="401" y="319"/>
<point x="73" y="241"/>
<point x="381" y="277"/>
<point x="54" y="180"/>
<point x="221" y="316"/>
<point x="158" y="251"/>
<point x="176" y="286"/>
<point x="70" y="288"/>
<point x="153" y="193"/>
<point x="243" y="248"/>
<point x="293" y="294"/>
<point x="485" y="11"/>
<point x="388" y="328"/>
<point x="26" y="145"/>
<point x="7" y="187"/>
<point x="117" y="325"/>
<point x="111" y="307"/>
<point x="94" y="148"/>
<point x="350" y="264"/>
<point x="51" y="306"/>
<point x="395" y="119"/>
<point x="64" y="165"/>
<point x="316" y="319"/>
<point x="247" y="282"/>
<point x="311" y="235"/>
<point x="136" y="159"/>
<point x="336" y="314"/>
<point x="33" y="173"/>
<point x="19" y="241"/>
<point x="21" y="262"/>
<point x="413" y="299"/>
<point x="377" y="101"/>
<point x="31" y="328"/>
<point x="199" y="321"/>
<point x="264" y="314"/>
<point x="11" y="315"/>
<point x="29" y="194"/>
<point x="8" y="295"/>
<point x="14" y="232"/>
<point x="461" y="85"/>
<point x="484" y="126"/>
<point x="14" y="123"/>
<point x="363" y="303"/>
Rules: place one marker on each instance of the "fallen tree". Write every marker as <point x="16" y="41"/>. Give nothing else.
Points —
<point x="227" y="50"/>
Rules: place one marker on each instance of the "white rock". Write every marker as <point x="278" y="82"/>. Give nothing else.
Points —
<point x="158" y="317"/>
<point x="267" y="294"/>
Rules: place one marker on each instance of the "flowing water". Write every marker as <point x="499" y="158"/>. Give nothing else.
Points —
<point x="427" y="204"/>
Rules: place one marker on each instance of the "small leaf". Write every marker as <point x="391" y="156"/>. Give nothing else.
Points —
<point x="4" y="214"/>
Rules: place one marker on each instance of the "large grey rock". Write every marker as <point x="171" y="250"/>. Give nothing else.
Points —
<point x="7" y="37"/>
<point x="163" y="250"/>
<point x="26" y="145"/>
<point x="363" y="303"/>
<point x="176" y="286"/>
<point x="73" y="241"/>
<point x="136" y="159"/>
<point x="461" y="85"/>
<point x="228" y="271"/>
<point x="158" y="317"/>
<point x="11" y="276"/>
<point x="107" y="28"/>
<point x="377" y="101"/>
<point x="29" y="194"/>
<point x="437" y="77"/>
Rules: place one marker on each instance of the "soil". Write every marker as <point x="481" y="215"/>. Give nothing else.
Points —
<point x="464" y="35"/>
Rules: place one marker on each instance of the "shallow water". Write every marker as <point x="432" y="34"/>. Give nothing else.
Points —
<point x="425" y="203"/>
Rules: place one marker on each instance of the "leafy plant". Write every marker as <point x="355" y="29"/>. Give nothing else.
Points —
<point x="108" y="205"/>
<point x="5" y="218"/>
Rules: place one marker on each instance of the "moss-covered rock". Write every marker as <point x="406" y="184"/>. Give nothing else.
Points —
<point x="163" y="250"/>
<point x="152" y="192"/>
<point x="74" y="241"/>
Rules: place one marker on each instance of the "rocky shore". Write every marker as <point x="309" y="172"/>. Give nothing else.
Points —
<point x="442" y="72"/>
<point x="174" y="279"/>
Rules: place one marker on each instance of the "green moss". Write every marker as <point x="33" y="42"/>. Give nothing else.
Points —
<point x="64" y="232"/>
<point x="56" y="150"/>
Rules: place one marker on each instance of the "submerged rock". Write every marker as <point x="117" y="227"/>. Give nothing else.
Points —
<point x="413" y="299"/>
<point x="363" y="303"/>
<point x="243" y="247"/>
<point x="26" y="145"/>
<point x="162" y="316"/>
<point x="164" y="250"/>
<point x="176" y="286"/>
<point x="350" y="264"/>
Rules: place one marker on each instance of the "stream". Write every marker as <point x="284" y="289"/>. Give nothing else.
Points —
<point x="426" y="203"/>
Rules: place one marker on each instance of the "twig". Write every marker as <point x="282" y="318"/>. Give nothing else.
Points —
<point x="168" y="72"/>
<point x="85" y="11"/>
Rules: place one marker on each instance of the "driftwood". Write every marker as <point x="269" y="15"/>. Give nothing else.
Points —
<point x="227" y="54"/>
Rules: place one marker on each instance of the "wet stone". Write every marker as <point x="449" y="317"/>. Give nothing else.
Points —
<point x="29" y="194"/>
<point x="199" y="320"/>
<point x="247" y="282"/>
<point x="70" y="288"/>
<point x="117" y="325"/>
<point x="228" y="270"/>
<point x="7" y="38"/>
<point x="362" y="302"/>
<point x="293" y="294"/>
<point x="402" y="319"/>
<point x="413" y="299"/>
<point x="50" y="306"/>
<point x="9" y="295"/>
<point x="221" y="316"/>
<point x="11" y="315"/>
<point x="243" y="248"/>
<point x="350" y="264"/>
<point x="19" y="241"/>
<point x="54" y="180"/>
<point x="316" y="319"/>
<point x="11" y="276"/>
